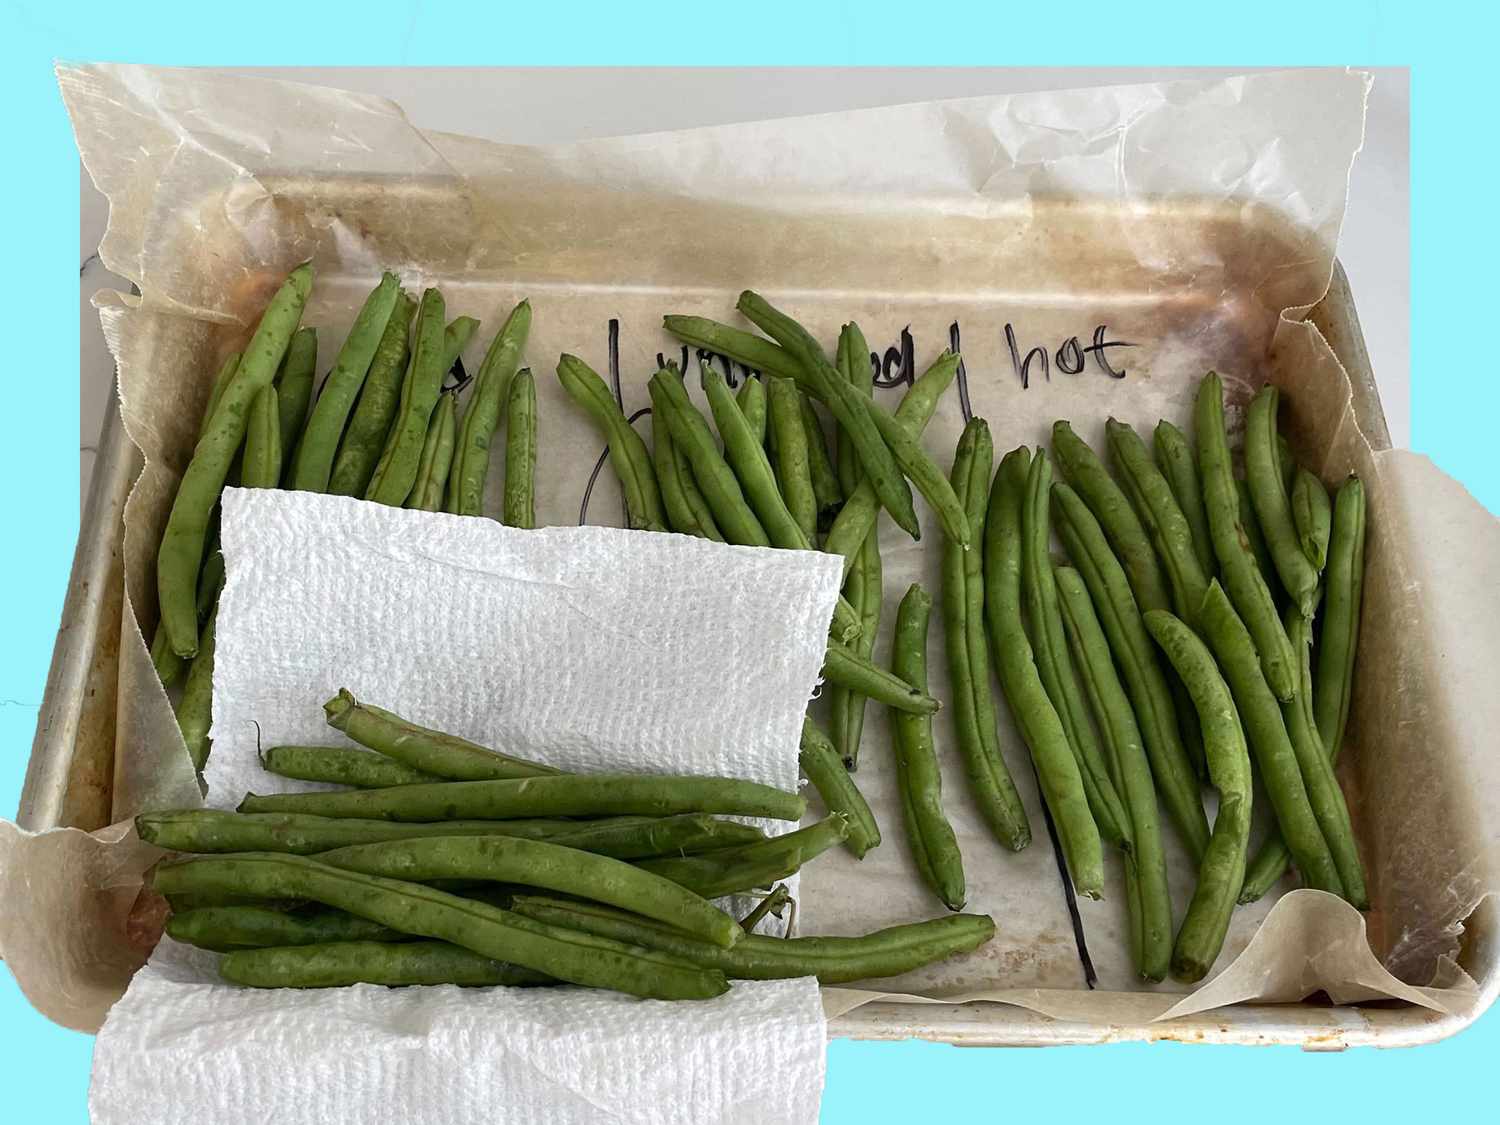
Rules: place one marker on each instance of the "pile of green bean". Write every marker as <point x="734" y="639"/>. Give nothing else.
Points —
<point x="416" y="873"/>
<point x="383" y="426"/>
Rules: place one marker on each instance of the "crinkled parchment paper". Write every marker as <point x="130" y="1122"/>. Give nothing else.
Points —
<point x="1092" y="252"/>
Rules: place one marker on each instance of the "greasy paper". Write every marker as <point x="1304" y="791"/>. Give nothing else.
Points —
<point x="1091" y="253"/>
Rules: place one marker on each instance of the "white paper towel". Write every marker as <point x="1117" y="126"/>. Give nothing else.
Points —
<point x="589" y="648"/>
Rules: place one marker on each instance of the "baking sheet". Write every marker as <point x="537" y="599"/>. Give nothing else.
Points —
<point x="1177" y="222"/>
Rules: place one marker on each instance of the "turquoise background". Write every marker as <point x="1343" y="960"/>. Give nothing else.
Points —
<point x="44" y="1069"/>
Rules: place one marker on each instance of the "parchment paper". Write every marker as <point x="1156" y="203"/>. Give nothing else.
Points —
<point x="1136" y="236"/>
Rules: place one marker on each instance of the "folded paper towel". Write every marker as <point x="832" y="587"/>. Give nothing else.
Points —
<point x="588" y="648"/>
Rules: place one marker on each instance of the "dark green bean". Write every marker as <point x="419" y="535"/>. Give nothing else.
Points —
<point x="845" y="667"/>
<point x="520" y="451"/>
<point x="1144" y="679"/>
<point x="1057" y="770"/>
<point x="397" y="471"/>
<point x="752" y="402"/>
<point x="494" y="390"/>
<point x="822" y="767"/>
<point x="222" y="928"/>
<point x="968" y="649"/>
<point x="294" y="392"/>
<point x="337" y="964"/>
<point x="437" y="456"/>
<point x="833" y="960"/>
<point x="825" y="481"/>
<point x="858" y="517"/>
<point x="789" y="440"/>
<point x="1339" y="635"/>
<point x="864" y="588"/>
<point x="313" y="463"/>
<point x="1151" y="901"/>
<point x="425" y="912"/>
<point x="853" y="411"/>
<point x="340" y="765"/>
<point x="1238" y="570"/>
<point x="360" y="449"/>
<point x="564" y="795"/>
<point x="1053" y="661"/>
<point x="1175" y="459"/>
<point x="180" y="555"/>
<point x="731" y="870"/>
<point x="933" y="844"/>
<point x="195" y="707"/>
<point x="1222" y="868"/>
<point x="717" y="482"/>
<point x="1268" y="492"/>
<point x="1122" y="527"/>
<point x="687" y="511"/>
<point x="261" y="461"/>
<point x="1150" y="494"/>
<point x="430" y="751"/>
<point x="1274" y="755"/>
<point x="1312" y="515"/>
<point x="540" y="863"/>
<point x="755" y="352"/>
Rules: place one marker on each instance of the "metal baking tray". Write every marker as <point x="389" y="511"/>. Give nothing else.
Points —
<point x="71" y="765"/>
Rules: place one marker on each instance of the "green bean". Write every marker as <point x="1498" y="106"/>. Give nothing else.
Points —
<point x="857" y="518"/>
<point x="493" y="391"/>
<point x="789" y="438"/>
<point x="851" y="359"/>
<point x="540" y="863"/>
<point x="1274" y="754"/>
<point x="313" y="463"/>
<point x="360" y="449"/>
<point x="1268" y="492"/>
<point x="425" y="912"/>
<point x="864" y="582"/>
<point x="822" y="767"/>
<point x="397" y="471"/>
<point x="262" y="451"/>
<point x="755" y="352"/>
<point x="924" y="473"/>
<point x="853" y="411"/>
<point x="1241" y="575"/>
<point x="752" y="402"/>
<point x="1037" y="720"/>
<point x="1257" y="541"/>
<point x="1152" y="903"/>
<point x="169" y="666"/>
<point x="1144" y="679"/>
<point x="421" y="748"/>
<point x="773" y="903"/>
<point x="437" y="456"/>
<point x="1312" y="515"/>
<point x="1286" y="461"/>
<point x="294" y="392"/>
<point x="933" y="844"/>
<point x="340" y="765"/>
<point x="222" y="928"/>
<point x="968" y="651"/>
<point x="627" y="452"/>
<point x="564" y="795"/>
<point x="1053" y="661"/>
<point x="1086" y="473"/>
<point x="687" y="511"/>
<point x="825" y="481"/>
<point x="833" y="960"/>
<point x="1175" y="459"/>
<point x="845" y="667"/>
<point x="1167" y="527"/>
<point x="1339" y="636"/>
<point x="731" y="870"/>
<point x="455" y="338"/>
<point x="623" y="837"/>
<point x="520" y="451"/>
<point x="1323" y="790"/>
<point x="337" y="964"/>
<point x="1222" y="868"/>
<point x="227" y="371"/>
<point x="195" y="707"/>
<point x="180" y="555"/>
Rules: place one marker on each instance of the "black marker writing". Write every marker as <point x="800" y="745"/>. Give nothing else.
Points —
<point x="1070" y="357"/>
<point x="900" y="360"/>
<point x="963" y="376"/>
